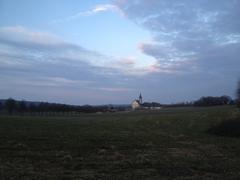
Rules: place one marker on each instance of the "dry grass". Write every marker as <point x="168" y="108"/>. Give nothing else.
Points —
<point x="166" y="144"/>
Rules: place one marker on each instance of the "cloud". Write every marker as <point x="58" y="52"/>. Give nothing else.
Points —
<point x="96" y="10"/>
<point x="191" y="36"/>
<point x="102" y="8"/>
<point x="29" y="62"/>
<point x="25" y="47"/>
<point x="196" y="44"/>
<point x="44" y="47"/>
<point x="128" y="61"/>
<point x="23" y="39"/>
<point x="45" y="81"/>
<point x="115" y="89"/>
<point x="33" y="59"/>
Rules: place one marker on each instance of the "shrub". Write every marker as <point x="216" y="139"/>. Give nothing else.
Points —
<point x="229" y="128"/>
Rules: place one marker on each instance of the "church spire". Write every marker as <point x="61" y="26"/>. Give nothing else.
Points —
<point x="140" y="98"/>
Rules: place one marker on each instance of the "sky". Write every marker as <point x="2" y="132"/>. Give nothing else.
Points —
<point x="108" y="51"/>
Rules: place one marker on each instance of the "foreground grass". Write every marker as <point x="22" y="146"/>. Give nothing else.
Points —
<point x="166" y="144"/>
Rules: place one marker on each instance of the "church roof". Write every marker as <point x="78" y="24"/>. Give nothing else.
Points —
<point x="136" y="101"/>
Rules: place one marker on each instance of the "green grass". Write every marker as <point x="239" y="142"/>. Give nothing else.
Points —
<point x="150" y="145"/>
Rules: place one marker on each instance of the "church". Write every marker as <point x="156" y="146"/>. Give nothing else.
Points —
<point x="137" y="103"/>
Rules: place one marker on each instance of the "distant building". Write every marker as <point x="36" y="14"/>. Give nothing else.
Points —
<point x="137" y="103"/>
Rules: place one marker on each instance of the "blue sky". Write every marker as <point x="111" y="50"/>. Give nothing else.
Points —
<point x="100" y="52"/>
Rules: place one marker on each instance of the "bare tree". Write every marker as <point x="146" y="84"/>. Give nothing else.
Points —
<point x="238" y="94"/>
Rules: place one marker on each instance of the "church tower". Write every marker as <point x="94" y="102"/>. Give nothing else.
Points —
<point x="140" y="98"/>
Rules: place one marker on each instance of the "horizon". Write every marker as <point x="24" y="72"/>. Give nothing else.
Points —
<point x="125" y="104"/>
<point x="107" y="52"/>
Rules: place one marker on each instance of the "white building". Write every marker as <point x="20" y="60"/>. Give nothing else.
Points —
<point x="136" y="105"/>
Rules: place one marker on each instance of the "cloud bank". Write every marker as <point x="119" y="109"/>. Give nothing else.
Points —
<point x="189" y="36"/>
<point x="195" y="47"/>
<point x="33" y="59"/>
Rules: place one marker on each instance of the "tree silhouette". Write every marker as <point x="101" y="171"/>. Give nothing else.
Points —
<point x="238" y="94"/>
<point x="1" y="106"/>
<point x="22" y="106"/>
<point x="213" y="101"/>
<point x="10" y="105"/>
<point x="32" y="108"/>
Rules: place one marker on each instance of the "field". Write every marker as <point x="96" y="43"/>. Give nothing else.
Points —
<point x="166" y="144"/>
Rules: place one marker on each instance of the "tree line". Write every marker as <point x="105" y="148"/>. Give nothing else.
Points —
<point x="222" y="100"/>
<point x="12" y="106"/>
<point x="214" y="101"/>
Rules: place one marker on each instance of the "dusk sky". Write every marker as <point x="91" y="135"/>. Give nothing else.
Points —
<point x="103" y="51"/>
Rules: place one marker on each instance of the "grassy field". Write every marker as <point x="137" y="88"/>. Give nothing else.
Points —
<point x="166" y="144"/>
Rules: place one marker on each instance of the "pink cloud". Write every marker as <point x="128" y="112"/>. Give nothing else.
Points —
<point x="153" y="68"/>
<point x="129" y="61"/>
<point x="113" y="89"/>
